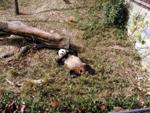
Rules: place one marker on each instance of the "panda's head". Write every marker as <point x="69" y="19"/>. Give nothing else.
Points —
<point x="62" y="52"/>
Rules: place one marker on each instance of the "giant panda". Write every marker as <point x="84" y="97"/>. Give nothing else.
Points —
<point x="71" y="61"/>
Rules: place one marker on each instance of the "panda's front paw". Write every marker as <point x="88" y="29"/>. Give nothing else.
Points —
<point x="59" y="61"/>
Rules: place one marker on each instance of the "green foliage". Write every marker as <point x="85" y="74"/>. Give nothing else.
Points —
<point x="126" y="103"/>
<point x="120" y="33"/>
<point x="7" y="97"/>
<point x="115" y="12"/>
<point x="91" y="105"/>
<point x="147" y="101"/>
<point x="105" y="14"/>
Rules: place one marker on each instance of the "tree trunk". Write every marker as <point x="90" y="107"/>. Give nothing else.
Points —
<point x="52" y="39"/>
<point x="16" y="7"/>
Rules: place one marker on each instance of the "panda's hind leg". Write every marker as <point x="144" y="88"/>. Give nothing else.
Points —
<point x="89" y="69"/>
<point x="73" y="74"/>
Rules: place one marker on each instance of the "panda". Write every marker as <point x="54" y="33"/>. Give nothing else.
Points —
<point x="71" y="60"/>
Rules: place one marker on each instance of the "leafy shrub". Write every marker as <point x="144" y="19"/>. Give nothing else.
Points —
<point x="115" y="12"/>
<point x="105" y="14"/>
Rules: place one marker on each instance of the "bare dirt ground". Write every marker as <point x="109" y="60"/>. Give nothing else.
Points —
<point x="118" y="70"/>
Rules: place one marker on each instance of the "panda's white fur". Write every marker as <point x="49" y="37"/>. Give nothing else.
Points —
<point x="72" y="62"/>
<point x="62" y="53"/>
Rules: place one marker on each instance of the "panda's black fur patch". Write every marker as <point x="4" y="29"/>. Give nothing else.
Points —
<point x="61" y="61"/>
<point x="89" y="69"/>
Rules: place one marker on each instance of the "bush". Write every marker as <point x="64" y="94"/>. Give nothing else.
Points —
<point x="105" y="14"/>
<point x="115" y="12"/>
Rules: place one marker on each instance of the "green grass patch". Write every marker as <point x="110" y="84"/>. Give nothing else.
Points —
<point x="92" y="105"/>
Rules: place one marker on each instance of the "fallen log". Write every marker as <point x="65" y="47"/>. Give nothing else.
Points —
<point x="52" y="39"/>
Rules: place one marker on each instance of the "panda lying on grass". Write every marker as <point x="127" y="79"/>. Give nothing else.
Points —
<point x="73" y="63"/>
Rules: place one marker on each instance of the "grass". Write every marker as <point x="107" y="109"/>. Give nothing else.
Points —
<point x="4" y="4"/>
<point x="107" y="49"/>
<point x="91" y="105"/>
